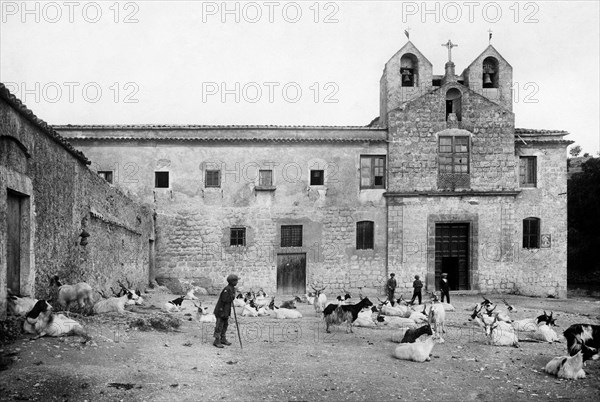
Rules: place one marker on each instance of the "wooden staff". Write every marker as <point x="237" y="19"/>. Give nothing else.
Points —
<point x="237" y="326"/>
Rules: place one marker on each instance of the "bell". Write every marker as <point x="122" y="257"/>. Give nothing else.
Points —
<point x="406" y="77"/>
<point x="487" y="79"/>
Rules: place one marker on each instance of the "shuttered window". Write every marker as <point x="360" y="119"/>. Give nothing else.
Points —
<point x="528" y="171"/>
<point x="364" y="235"/>
<point x="531" y="233"/>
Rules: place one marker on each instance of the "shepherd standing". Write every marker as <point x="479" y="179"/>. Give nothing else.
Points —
<point x="223" y="311"/>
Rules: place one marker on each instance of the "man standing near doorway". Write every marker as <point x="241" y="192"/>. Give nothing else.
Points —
<point x="391" y="288"/>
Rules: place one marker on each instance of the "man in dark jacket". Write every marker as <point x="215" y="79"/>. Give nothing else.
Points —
<point x="223" y="311"/>
<point x="391" y="288"/>
<point x="445" y="287"/>
<point x="417" y="285"/>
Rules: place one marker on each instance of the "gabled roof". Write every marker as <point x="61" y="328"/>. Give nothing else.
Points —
<point x="413" y="48"/>
<point x="496" y="52"/>
<point x="44" y="127"/>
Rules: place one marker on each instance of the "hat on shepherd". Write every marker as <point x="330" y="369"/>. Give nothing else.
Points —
<point x="232" y="278"/>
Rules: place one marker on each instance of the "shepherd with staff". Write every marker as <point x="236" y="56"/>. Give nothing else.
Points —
<point x="223" y="311"/>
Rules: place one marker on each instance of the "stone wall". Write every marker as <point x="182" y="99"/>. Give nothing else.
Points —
<point x="61" y="197"/>
<point x="194" y="221"/>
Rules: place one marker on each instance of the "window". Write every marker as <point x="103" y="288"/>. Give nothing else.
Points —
<point x="454" y="155"/>
<point x="265" y="178"/>
<point x="291" y="236"/>
<point x="213" y="178"/>
<point x="453" y="104"/>
<point x="372" y="171"/>
<point x="106" y="175"/>
<point x="364" y="235"/>
<point x="531" y="233"/>
<point x="317" y="177"/>
<point x="161" y="179"/>
<point x="528" y="171"/>
<point x="237" y="237"/>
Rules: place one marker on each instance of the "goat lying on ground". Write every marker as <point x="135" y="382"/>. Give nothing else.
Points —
<point x="174" y="305"/>
<point x="114" y="304"/>
<point x="501" y="333"/>
<point x="250" y="310"/>
<point x="417" y="351"/>
<point x="338" y="314"/>
<point x="584" y="338"/>
<point x="20" y="305"/>
<point x="566" y="367"/>
<point x="286" y="313"/>
<point x="365" y="318"/>
<point x="239" y="301"/>
<point x="531" y="324"/>
<point x="395" y="311"/>
<point x="67" y="294"/>
<point x="290" y="304"/>
<point x="203" y="315"/>
<point x="40" y="321"/>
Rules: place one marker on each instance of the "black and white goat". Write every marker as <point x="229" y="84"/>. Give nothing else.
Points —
<point x="338" y="314"/>
<point x="80" y="292"/>
<point x="411" y="335"/>
<point x="584" y="338"/>
<point x="115" y="304"/>
<point x="566" y="367"/>
<point x="40" y="321"/>
<point x="173" y="306"/>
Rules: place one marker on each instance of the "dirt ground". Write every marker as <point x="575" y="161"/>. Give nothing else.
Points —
<point x="292" y="360"/>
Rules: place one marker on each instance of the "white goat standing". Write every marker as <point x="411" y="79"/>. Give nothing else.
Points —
<point x="67" y="294"/>
<point x="437" y="318"/>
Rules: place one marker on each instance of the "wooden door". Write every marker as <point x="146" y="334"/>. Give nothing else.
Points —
<point x="452" y="254"/>
<point x="13" y="257"/>
<point x="291" y="274"/>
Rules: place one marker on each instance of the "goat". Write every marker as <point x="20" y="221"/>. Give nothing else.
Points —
<point x="113" y="304"/>
<point x="501" y="333"/>
<point x="509" y="307"/>
<point x="411" y="335"/>
<point x="531" y="324"/>
<point x="417" y="351"/>
<point x="20" y="305"/>
<point x="250" y="310"/>
<point x="190" y="295"/>
<point x="203" y="315"/>
<point x="174" y="305"/>
<point x="338" y="314"/>
<point x="388" y="309"/>
<point x="67" y="294"/>
<point x="396" y="322"/>
<point x="291" y="304"/>
<point x="40" y="321"/>
<point x="320" y="299"/>
<point x="570" y="367"/>
<point x="583" y="338"/>
<point x="544" y="333"/>
<point x="239" y="302"/>
<point x="437" y="318"/>
<point x="365" y="318"/>
<point x="286" y="313"/>
<point x="418" y="318"/>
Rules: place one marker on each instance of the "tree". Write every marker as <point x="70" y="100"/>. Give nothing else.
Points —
<point x="575" y="151"/>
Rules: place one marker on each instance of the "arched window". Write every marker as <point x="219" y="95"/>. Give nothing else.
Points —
<point x="365" y="235"/>
<point x="490" y="72"/>
<point x="409" y="69"/>
<point x="453" y="103"/>
<point x="531" y="232"/>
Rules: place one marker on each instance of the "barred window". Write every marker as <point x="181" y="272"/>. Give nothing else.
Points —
<point x="528" y="171"/>
<point x="453" y="155"/>
<point x="372" y="171"/>
<point x="291" y="236"/>
<point x="213" y="178"/>
<point x="265" y="178"/>
<point x="364" y="235"/>
<point x="161" y="179"/>
<point x="107" y="175"/>
<point x="531" y="233"/>
<point x="237" y="237"/>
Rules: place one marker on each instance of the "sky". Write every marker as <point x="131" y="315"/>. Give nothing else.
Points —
<point x="286" y="62"/>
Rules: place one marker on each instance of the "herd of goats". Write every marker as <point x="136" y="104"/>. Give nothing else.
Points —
<point x="420" y="327"/>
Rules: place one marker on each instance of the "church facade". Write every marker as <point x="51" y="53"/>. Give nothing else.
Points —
<point x="441" y="181"/>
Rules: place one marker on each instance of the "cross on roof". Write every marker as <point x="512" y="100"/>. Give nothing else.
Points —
<point x="449" y="45"/>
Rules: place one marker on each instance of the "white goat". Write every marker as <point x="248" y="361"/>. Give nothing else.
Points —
<point x="396" y="311"/>
<point x="20" y="305"/>
<point x="190" y="295"/>
<point x="544" y="333"/>
<point x="418" y="318"/>
<point x="437" y="319"/>
<point x="67" y="294"/>
<point x="203" y="315"/>
<point x="417" y="351"/>
<point x="566" y="367"/>
<point x="114" y="304"/>
<point x="283" y="313"/>
<point x="249" y="311"/>
<point x="320" y="301"/>
<point x="396" y="322"/>
<point x="501" y="333"/>
<point x="40" y="321"/>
